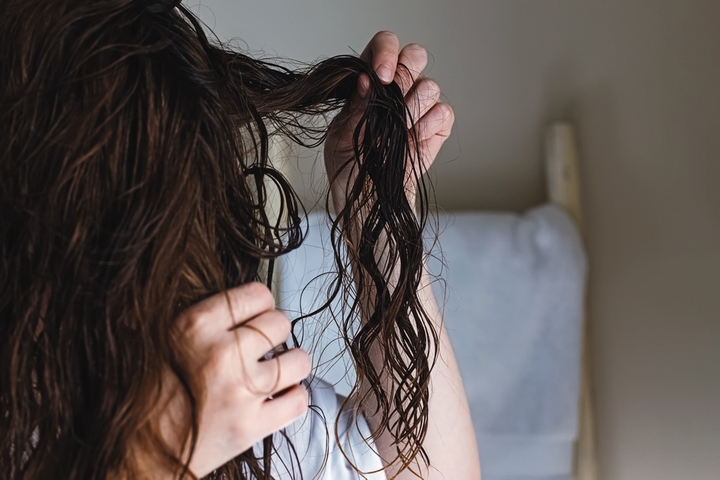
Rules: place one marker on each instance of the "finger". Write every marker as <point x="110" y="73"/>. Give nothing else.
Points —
<point x="421" y="98"/>
<point x="353" y="109"/>
<point x="382" y="53"/>
<point x="282" y="410"/>
<point x="208" y="321"/>
<point x="363" y="87"/>
<point x="438" y="121"/>
<point x="411" y="62"/>
<point x="284" y="371"/>
<point x="262" y="334"/>
<point x="434" y="128"/>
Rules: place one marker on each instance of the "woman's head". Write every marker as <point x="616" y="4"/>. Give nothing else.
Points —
<point x="133" y="177"/>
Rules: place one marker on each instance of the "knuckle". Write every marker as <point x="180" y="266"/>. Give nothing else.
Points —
<point x="406" y="75"/>
<point x="251" y="338"/>
<point x="259" y="293"/>
<point x="188" y="320"/>
<point x="448" y="112"/>
<point x="304" y="363"/>
<point x="431" y="87"/>
<point x="281" y="323"/>
<point x="216" y="363"/>
<point x="299" y="403"/>
<point x="417" y="50"/>
<point x="386" y="34"/>
<point x="385" y="46"/>
<point x="193" y="322"/>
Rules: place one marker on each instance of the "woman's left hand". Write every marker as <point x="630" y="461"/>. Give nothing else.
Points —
<point x="432" y="119"/>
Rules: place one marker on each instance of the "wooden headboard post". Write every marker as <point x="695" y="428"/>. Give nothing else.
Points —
<point x="563" y="181"/>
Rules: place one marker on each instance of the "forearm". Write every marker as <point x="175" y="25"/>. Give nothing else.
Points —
<point x="450" y="439"/>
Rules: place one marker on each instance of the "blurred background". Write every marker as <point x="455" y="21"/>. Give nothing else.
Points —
<point x="640" y="79"/>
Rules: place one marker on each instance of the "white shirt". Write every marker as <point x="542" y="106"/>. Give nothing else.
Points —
<point x="317" y="452"/>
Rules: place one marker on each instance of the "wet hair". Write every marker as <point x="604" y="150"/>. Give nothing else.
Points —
<point x="134" y="182"/>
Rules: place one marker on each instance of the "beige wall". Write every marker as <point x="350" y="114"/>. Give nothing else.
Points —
<point x="642" y="81"/>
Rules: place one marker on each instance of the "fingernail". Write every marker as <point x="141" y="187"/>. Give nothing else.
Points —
<point x="385" y="73"/>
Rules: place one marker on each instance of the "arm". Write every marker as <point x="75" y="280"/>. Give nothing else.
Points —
<point x="450" y="441"/>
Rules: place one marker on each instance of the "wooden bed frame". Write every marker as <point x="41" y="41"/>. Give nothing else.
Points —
<point x="563" y="182"/>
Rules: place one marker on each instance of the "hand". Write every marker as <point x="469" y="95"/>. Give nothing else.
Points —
<point x="246" y="398"/>
<point x="432" y="119"/>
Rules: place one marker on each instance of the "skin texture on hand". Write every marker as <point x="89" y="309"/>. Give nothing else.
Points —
<point x="431" y="119"/>
<point x="247" y="398"/>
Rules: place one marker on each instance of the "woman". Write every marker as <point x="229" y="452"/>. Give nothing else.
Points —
<point x="133" y="187"/>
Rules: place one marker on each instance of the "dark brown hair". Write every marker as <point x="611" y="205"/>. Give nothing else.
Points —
<point x="133" y="183"/>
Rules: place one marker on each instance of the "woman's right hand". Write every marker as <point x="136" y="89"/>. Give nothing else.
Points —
<point x="432" y="119"/>
<point x="247" y="398"/>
